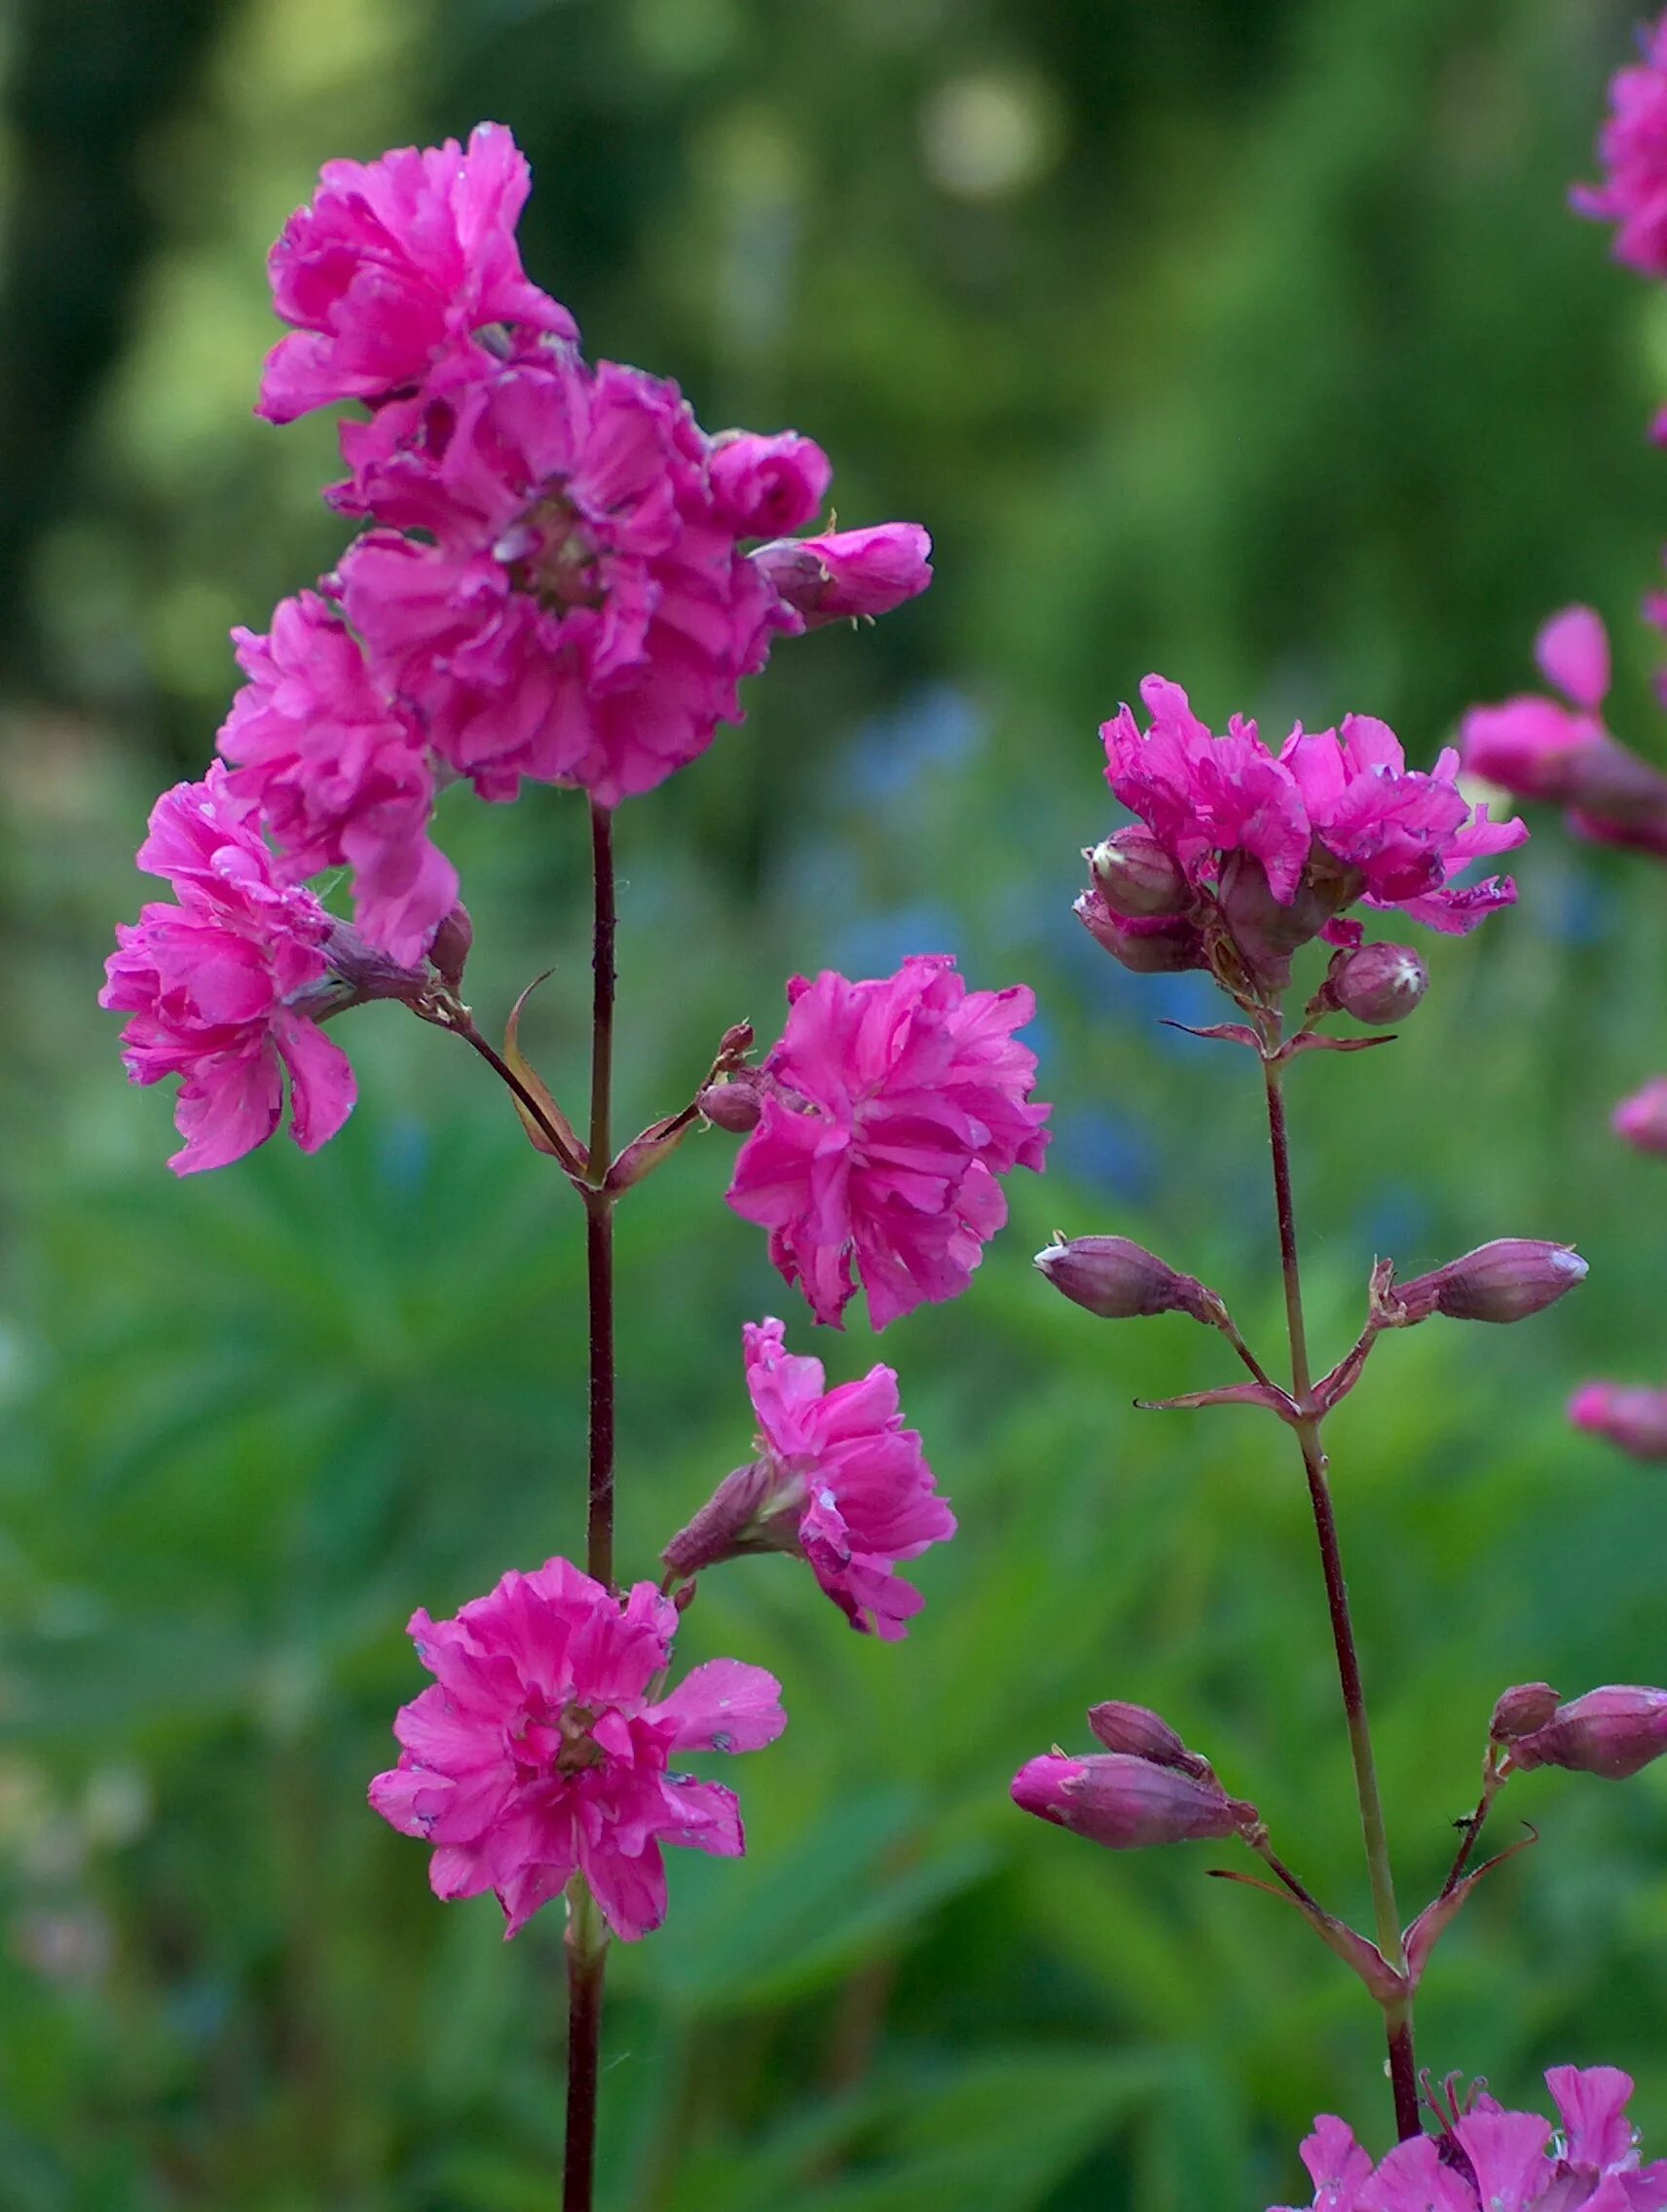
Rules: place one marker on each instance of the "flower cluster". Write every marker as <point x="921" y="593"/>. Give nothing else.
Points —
<point x="838" y="1479"/>
<point x="880" y="1122"/>
<point x="564" y="577"/>
<point x="1247" y="854"/>
<point x="1487" y="2159"/>
<point x="540" y="1753"/>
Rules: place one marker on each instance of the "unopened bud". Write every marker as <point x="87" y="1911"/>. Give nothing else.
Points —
<point x="1119" y="1281"/>
<point x="1267" y="930"/>
<point x="367" y="972"/>
<point x="1152" y="947"/>
<point x="1505" y="1280"/>
<point x="1642" y="1118"/>
<point x="1612" y="1732"/>
<point x="1521" y="1711"/>
<point x="1144" y="1735"/>
<point x="752" y="1510"/>
<point x="735" y="1105"/>
<point x="1125" y="1802"/>
<point x="1136" y="876"/>
<point x="1631" y="1416"/>
<point x="449" y="950"/>
<point x="1378" y="984"/>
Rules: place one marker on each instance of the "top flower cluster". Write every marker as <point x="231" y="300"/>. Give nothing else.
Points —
<point x="1260" y="851"/>
<point x="565" y="578"/>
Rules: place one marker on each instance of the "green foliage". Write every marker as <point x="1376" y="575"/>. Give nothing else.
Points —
<point x="1248" y="341"/>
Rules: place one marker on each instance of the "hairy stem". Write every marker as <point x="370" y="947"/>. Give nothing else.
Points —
<point x="1403" y="2071"/>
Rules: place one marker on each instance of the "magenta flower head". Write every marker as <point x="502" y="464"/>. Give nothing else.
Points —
<point x="339" y="773"/>
<point x="217" y="985"/>
<point x="1505" y="1280"/>
<point x="1613" y="1732"/>
<point x="1119" y="1281"/>
<point x="1642" y="1118"/>
<point x="539" y="1751"/>
<point x="853" y="573"/>
<point x="1487" y="2159"/>
<point x="1630" y="1416"/>
<point x="889" y="1109"/>
<point x="395" y="263"/>
<point x="1125" y="1802"/>
<point x="1631" y="149"/>
<point x="839" y="1481"/>
<point x="1275" y="847"/>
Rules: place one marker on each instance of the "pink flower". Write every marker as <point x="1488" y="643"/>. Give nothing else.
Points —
<point x="1632" y="148"/>
<point x="397" y="263"/>
<point x="1487" y="2159"/>
<point x="1537" y="748"/>
<point x="583" y="615"/>
<point x="838" y="1479"/>
<point x="215" y="985"/>
<point x="1642" y="1118"/>
<point x="1630" y="1416"/>
<point x="854" y="574"/>
<point x="1275" y="847"/>
<point x="538" y="1752"/>
<point x="890" y="1109"/>
<point x="340" y="774"/>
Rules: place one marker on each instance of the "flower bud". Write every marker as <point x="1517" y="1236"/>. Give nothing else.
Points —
<point x="449" y="950"/>
<point x="1265" y="930"/>
<point x="1642" y="1118"/>
<point x="1505" y="1280"/>
<point x="1378" y="984"/>
<point x="1136" y="876"/>
<point x="1119" y="1281"/>
<point x="1521" y="1711"/>
<point x="768" y="485"/>
<point x="1157" y="946"/>
<point x="1144" y="1735"/>
<point x="359" y="971"/>
<point x="1123" y="1802"/>
<point x="755" y="1509"/>
<point x="734" y="1104"/>
<point x="1612" y="1732"/>
<point x="1633" y="1418"/>
<point x="855" y="571"/>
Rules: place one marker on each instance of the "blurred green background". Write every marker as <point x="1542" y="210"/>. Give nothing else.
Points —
<point x="1246" y="338"/>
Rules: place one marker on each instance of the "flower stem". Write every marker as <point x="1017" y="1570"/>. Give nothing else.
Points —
<point x="1397" y="2017"/>
<point x="587" y="1950"/>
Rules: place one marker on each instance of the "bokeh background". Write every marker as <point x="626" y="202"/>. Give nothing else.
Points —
<point x="1246" y="338"/>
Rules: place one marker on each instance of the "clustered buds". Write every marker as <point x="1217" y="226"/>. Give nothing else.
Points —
<point x="1613" y="1732"/>
<point x="1505" y="1280"/>
<point x="1146" y="1788"/>
<point x="1119" y="1281"/>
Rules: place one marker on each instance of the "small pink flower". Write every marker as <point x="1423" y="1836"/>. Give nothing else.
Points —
<point x="340" y="774"/>
<point x="539" y="1751"/>
<point x="215" y="985"/>
<point x="581" y="613"/>
<point x="397" y="263"/>
<point x="1630" y="1416"/>
<point x="1632" y="148"/>
<point x="889" y="1108"/>
<point x="1487" y="2159"/>
<point x="1642" y="1118"/>
<point x="853" y="573"/>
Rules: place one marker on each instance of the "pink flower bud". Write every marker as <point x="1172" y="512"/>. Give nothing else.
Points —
<point x="768" y="485"/>
<point x="449" y="950"/>
<point x="1117" y="1279"/>
<point x="1137" y="877"/>
<point x="752" y="1510"/>
<point x="1125" y="1802"/>
<point x="1612" y="1732"/>
<point x="1264" y="929"/>
<point x="1521" y="1711"/>
<point x="1152" y="947"/>
<point x="1642" y="1118"/>
<point x="1505" y="1280"/>
<point x="1633" y="1418"/>
<point x="1145" y="1735"/>
<point x="855" y="571"/>
<point x="735" y="1105"/>
<point x="1378" y="984"/>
